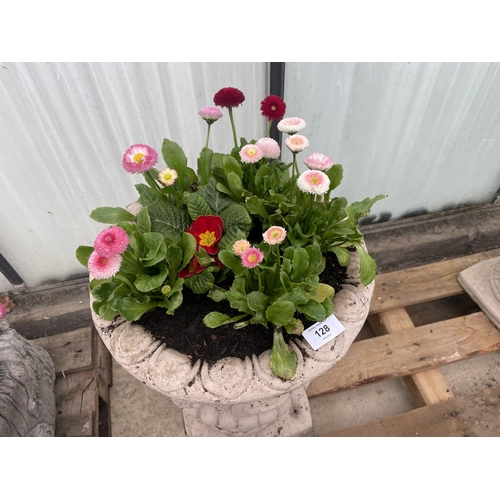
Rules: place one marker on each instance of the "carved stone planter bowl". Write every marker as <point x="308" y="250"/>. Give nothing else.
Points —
<point x="237" y="397"/>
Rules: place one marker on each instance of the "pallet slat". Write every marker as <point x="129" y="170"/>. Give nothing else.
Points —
<point x="471" y="415"/>
<point x="427" y="388"/>
<point x="408" y="352"/>
<point x="70" y="351"/>
<point x="422" y="284"/>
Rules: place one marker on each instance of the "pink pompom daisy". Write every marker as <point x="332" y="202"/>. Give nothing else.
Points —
<point x="251" y="153"/>
<point x="3" y="311"/>
<point x="168" y="176"/>
<point x="111" y="241"/>
<point x="318" y="161"/>
<point x="314" y="182"/>
<point x="297" y="143"/>
<point x="270" y="148"/>
<point x="139" y="158"/>
<point x="274" y="235"/>
<point x="102" y="267"/>
<point x="291" y="125"/>
<point x="252" y="257"/>
<point x="210" y="114"/>
<point x="240" y="246"/>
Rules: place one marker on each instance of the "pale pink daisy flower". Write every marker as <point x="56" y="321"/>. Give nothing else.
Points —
<point x="139" y="158"/>
<point x="318" y="161"/>
<point x="270" y="148"/>
<point x="314" y="182"/>
<point x="251" y="153"/>
<point x="102" y="267"/>
<point x="291" y="125"/>
<point x="252" y="257"/>
<point x="210" y="114"/>
<point x="240" y="246"/>
<point x="297" y="143"/>
<point x="111" y="241"/>
<point x="168" y="176"/>
<point x="3" y="311"/>
<point x="274" y="235"/>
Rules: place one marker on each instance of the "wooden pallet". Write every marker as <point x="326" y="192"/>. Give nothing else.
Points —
<point x="83" y="377"/>
<point x="401" y="349"/>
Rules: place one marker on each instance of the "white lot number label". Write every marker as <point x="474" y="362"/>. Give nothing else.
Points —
<point x="321" y="333"/>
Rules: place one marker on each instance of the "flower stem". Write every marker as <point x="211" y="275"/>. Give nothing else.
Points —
<point x="152" y="181"/>
<point x="294" y="166"/>
<point x="259" y="278"/>
<point x="233" y="127"/>
<point x="269" y="128"/>
<point x="208" y="134"/>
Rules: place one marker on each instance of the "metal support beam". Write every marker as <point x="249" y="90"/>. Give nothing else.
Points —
<point x="9" y="272"/>
<point x="276" y="87"/>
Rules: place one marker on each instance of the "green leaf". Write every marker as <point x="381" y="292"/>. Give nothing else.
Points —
<point x="295" y="327"/>
<point x="343" y="255"/>
<point x="130" y="264"/>
<point x="175" y="302"/>
<point x="203" y="282"/>
<point x="283" y="361"/>
<point x="147" y="194"/>
<point x="204" y="165"/>
<point x="143" y="221"/>
<point x="280" y="312"/>
<point x="231" y="165"/>
<point x="235" y="185"/>
<point x="168" y="219"/>
<point x="256" y="207"/>
<point x="236" y="218"/>
<point x="187" y="244"/>
<point x="359" y="209"/>
<point x="174" y="258"/>
<point x="367" y="265"/>
<point x="300" y="263"/>
<point x="238" y="301"/>
<point x="313" y="311"/>
<point x="131" y="309"/>
<point x="145" y="283"/>
<point x="174" y="155"/>
<point x="231" y="261"/>
<point x="322" y="292"/>
<point x="109" y="215"/>
<point x="217" y="201"/>
<point x="257" y="301"/>
<point x="215" y="319"/>
<point x="152" y="243"/>
<point x="197" y="206"/>
<point x="83" y="254"/>
<point x="335" y="174"/>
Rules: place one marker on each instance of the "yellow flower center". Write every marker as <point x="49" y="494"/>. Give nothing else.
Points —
<point x="138" y="157"/>
<point x="252" y="257"/>
<point x="207" y="239"/>
<point x="252" y="151"/>
<point x="273" y="107"/>
<point x="276" y="233"/>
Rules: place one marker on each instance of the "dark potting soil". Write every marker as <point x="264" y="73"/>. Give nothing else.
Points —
<point x="185" y="332"/>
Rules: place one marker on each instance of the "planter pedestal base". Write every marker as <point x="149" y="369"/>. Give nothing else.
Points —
<point x="287" y="415"/>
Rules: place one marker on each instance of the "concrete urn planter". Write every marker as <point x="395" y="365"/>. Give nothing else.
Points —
<point x="237" y="397"/>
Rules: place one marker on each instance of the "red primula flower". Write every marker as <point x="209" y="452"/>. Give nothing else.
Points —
<point x="207" y="229"/>
<point x="273" y="107"/>
<point x="229" y="97"/>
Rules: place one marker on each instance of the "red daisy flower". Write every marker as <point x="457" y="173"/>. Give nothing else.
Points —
<point x="228" y="97"/>
<point x="194" y="267"/>
<point x="207" y="229"/>
<point x="273" y="107"/>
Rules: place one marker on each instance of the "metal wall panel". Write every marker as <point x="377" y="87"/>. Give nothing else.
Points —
<point x="425" y="134"/>
<point x="65" y="127"/>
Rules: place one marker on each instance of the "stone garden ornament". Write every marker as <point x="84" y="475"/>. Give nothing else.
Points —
<point x="248" y="232"/>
